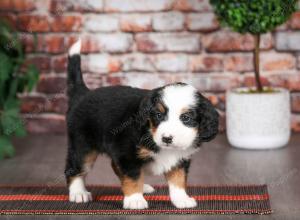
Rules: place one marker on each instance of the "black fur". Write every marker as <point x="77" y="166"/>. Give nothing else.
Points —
<point x="116" y="121"/>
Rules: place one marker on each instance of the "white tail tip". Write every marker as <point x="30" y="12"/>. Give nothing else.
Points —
<point x="75" y="48"/>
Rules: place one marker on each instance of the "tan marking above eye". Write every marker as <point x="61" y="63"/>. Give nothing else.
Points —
<point x="184" y="110"/>
<point x="161" y="108"/>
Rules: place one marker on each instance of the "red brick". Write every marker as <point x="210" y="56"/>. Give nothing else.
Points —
<point x="225" y="41"/>
<point x="171" y="63"/>
<point x="295" y="122"/>
<point x="113" y="80"/>
<point x="119" y="43"/>
<point x="66" y="23"/>
<point x="206" y="63"/>
<point x="147" y="80"/>
<point x="202" y="22"/>
<point x="89" y="43"/>
<point x="101" y="23"/>
<point x="33" y="23"/>
<point x="287" y="80"/>
<point x="31" y="43"/>
<point x="45" y="123"/>
<point x="249" y="80"/>
<point x="192" y="5"/>
<point x="175" y="42"/>
<point x="136" y="23"/>
<point x="223" y="82"/>
<point x="212" y="82"/>
<point x="137" y="62"/>
<point x="57" y="104"/>
<point x="59" y="63"/>
<point x="168" y="21"/>
<point x="294" y="22"/>
<point x="33" y="104"/>
<point x="277" y="61"/>
<point x="17" y="5"/>
<point x="137" y="5"/>
<point x="112" y="43"/>
<point x="94" y="81"/>
<point x="6" y="5"/>
<point x="101" y="63"/>
<point x="238" y="62"/>
<point x="288" y="41"/>
<point x="58" y="7"/>
<point x="295" y="101"/>
<point x="52" y="84"/>
<point x="54" y="44"/>
<point x="41" y="62"/>
<point x="10" y="18"/>
<point x="40" y="104"/>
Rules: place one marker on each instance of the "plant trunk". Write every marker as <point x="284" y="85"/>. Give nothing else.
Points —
<point x="256" y="63"/>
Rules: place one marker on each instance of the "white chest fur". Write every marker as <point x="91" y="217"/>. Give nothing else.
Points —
<point x="165" y="159"/>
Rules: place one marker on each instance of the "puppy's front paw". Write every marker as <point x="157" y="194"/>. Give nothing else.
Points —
<point x="184" y="202"/>
<point x="80" y="196"/>
<point x="148" y="189"/>
<point x="135" y="201"/>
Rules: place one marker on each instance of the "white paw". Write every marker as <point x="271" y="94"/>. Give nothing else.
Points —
<point x="79" y="197"/>
<point x="148" y="189"/>
<point x="182" y="203"/>
<point x="135" y="201"/>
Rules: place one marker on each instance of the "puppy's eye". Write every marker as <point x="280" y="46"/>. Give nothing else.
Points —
<point x="185" y="118"/>
<point x="158" y="115"/>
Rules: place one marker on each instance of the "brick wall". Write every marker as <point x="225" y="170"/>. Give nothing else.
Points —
<point x="145" y="43"/>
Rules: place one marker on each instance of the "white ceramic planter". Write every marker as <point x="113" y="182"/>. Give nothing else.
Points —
<point x="258" y="121"/>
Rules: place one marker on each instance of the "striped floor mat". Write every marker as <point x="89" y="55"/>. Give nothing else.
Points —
<point x="52" y="200"/>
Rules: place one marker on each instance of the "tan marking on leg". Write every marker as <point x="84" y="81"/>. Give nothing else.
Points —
<point x="131" y="186"/>
<point x="177" y="177"/>
<point x="89" y="161"/>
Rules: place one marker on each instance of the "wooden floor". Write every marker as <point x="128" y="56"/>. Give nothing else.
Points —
<point x="40" y="160"/>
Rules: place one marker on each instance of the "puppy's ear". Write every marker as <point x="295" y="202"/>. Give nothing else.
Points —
<point x="208" y="119"/>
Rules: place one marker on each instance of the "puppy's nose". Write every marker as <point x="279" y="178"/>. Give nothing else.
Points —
<point x="167" y="140"/>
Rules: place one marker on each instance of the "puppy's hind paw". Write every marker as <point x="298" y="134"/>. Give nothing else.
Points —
<point x="135" y="201"/>
<point x="148" y="189"/>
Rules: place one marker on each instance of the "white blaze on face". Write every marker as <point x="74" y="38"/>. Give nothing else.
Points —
<point x="176" y="98"/>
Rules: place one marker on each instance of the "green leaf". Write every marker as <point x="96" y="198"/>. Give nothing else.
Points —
<point x="253" y="16"/>
<point x="10" y="118"/>
<point x="5" y="67"/>
<point x="32" y="76"/>
<point x="20" y="130"/>
<point x="6" y="147"/>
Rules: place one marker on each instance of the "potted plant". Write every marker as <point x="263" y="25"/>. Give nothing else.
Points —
<point x="15" y="77"/>
<point x="259" y="117"/>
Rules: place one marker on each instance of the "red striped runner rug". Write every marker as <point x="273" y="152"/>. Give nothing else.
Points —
<point x="108" y="201"/>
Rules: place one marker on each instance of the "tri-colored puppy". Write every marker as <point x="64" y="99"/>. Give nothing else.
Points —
<point x="142" y="131"/>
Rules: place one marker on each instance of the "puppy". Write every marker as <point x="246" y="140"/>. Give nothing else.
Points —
<point x="142" y="131"/>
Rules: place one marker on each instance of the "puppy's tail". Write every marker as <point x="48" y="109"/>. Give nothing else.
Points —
<point x="76" y="86"/>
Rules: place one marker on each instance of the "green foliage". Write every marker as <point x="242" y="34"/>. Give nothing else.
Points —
<point x="15" y="77"/>
<point x="253" y="16"/>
